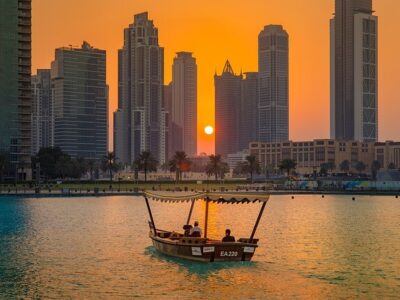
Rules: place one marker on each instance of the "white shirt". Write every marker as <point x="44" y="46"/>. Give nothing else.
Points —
<point x="196" y="229"/>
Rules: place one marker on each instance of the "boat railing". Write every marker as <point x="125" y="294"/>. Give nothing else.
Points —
<point x="193" y="240"/>
<point x="248" y="241"/>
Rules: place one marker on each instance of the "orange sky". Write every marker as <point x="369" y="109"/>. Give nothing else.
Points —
<point x="219" y="29"/>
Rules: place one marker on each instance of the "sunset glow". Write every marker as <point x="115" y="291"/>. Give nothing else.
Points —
<point x="209" y="130"/>
<point x="218" y="30"/>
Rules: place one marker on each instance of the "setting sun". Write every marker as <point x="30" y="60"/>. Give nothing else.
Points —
<point x="209" y="130"/>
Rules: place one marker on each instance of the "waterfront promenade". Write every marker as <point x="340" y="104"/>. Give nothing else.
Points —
<point x="91" y="191"/>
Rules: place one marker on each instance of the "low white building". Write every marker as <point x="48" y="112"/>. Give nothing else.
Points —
<point x="235" y="158"/>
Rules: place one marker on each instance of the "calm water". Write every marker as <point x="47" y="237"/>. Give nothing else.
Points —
<point x="98" y="248"/>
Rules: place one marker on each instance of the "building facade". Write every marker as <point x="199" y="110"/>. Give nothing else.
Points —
<point x="354" y="71"/>
<point x="388" y="154"/>
<point x="234" y="159"/>
<point x="273" y="68"/>
<point x="227" y="110"/>
<point x="169" y="130"/>
<point x="80" y="101"/>
<point x="184" y="104"/>
<point x="15" y="85"/>
<point x="310" y="155"/>
<point x="140" y="119"/>
<point x="248" y="117"/>
<point x="42" y="111"/>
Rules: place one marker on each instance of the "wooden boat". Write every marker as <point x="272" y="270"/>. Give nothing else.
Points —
<point x="202" y="248"/>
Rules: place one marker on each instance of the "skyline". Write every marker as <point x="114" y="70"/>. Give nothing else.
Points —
<point x="181" y="31"/>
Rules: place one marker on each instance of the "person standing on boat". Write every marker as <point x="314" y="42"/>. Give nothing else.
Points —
<point x="196" y="230"/>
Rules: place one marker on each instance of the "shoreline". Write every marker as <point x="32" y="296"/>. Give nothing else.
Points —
<point x="73" y="194"/>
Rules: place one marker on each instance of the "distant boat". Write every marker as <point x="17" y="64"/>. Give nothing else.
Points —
<point x="202" y="248"/>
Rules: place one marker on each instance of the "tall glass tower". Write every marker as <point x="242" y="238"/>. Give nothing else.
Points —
<point x="354" y="71"/>
<point x="15" y="84"/>
<point x="248" y="117"/>
<point x="140" y="120"/>
<point x="42" y="111"/>
<point x="228" y="87"/>
<point x="184" y="103"/>
<point x="273" y="68"/>
<point x="80" y="101"/>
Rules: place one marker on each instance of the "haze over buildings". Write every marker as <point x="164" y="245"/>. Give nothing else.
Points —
<point x="167" y="108"/>
<point x="80" y="101"/>
<point x="42" y="111"/>
<point x="248" y="127"/>
<point x="354" y="71"/>
<point x="15" y="84"/>
<point x="140" y="121"/>
<point x="227" y="110"/>
<point x="273" y="70"/>
<point x="183" y="112"/>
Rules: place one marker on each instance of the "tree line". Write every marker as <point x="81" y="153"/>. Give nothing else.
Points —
<point x="52" y="163"/>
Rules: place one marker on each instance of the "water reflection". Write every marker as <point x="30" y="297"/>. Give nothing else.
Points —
<point x="202" y="269"/>
<point x="99" y="248"/>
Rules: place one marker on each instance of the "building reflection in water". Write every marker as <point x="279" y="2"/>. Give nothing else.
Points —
<point x="99" y="248"/>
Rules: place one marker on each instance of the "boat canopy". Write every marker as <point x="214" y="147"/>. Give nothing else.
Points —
<point x="216" y="197"/>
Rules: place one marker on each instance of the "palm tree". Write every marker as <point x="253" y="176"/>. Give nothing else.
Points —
<point x="287" y="165"/>
<point x="323" y="169"/>
<point x="345" y="166"/>
<point x="251" y="166"/>
<point x="63" y="166"/>
<point x="331" y="166"/>
<point x="3" y="164"/>
<point x="179" y="163"/>
<point x="216" y="166"/>
<point x="360" y="167"/>
<point x="82" y="166"/>
<point x="146" y="163"/>
<point x="375" y="167"/>
<point x="109" y="163"/>
<point x="93" y="168"/>
<point x="223" y="169"/>
<point x="327" y="166"/>
<point x="268" y="169"/>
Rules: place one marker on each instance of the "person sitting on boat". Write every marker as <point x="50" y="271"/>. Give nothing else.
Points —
<point x="187" y="228"/>
<point x="196" y="230"/>
<point x="228" y="237"/>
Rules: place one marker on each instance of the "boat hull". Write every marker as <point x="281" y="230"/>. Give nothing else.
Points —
<point x="205" y="252"/>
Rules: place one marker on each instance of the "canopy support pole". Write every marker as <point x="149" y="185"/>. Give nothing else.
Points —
<point x="190" y="212"/>
<point x="151" y="216"/>
<point x="206" y="219"/>
<point x="257" y="222"/>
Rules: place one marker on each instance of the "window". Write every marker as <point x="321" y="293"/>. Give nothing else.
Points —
<point x="320" y="154"/>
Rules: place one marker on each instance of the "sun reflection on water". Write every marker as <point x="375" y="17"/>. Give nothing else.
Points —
<point x="99" y="248"/>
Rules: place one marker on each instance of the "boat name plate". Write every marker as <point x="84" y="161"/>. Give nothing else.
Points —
<point x="229" y="253"/>
<point x="196" y="251"/>
<point x="208" y="249"/>
<point x="248" y="250"/>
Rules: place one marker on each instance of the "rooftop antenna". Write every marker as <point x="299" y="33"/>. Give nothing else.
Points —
<point x="228" y="68"/>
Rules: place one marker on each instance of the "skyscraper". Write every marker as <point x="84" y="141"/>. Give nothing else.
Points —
<point x="248" y="116"/>
<point x="42" y="111"/>
<point x="80" y="101"/>
<point x="140" y="120"/>
<point x="273" y="68"/>
<point x="15" y="84"/>
<point x="167" y="108"/>
<point x="227" y="110"/>
<point x="354" y="71"/>
<point x="184" y="103"/>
